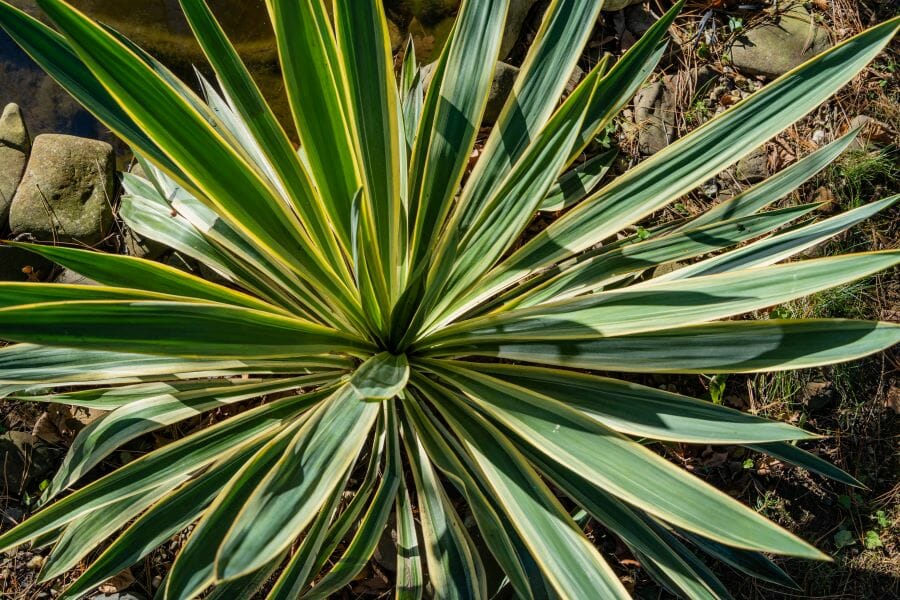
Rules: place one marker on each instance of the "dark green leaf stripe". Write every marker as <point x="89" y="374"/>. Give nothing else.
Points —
<point x="172" y="329"/>
<point x="643" y="411"/>
<point x="547" y="67"/>
<point x="570" y="562"/>
<point x="728" y="347"/>
<point x="620" y="466"/>
<point x="27" y="363"/>
<point x="457" y="96"/>
<point x="684" y="164"/>
<point x="653" y="306"/>
<point x="291" y="493"/>
<point x="454" y="567"/>
<point x="140" y="274"/>
<point x="171" y="465"/>
<point x="261" y="122"/>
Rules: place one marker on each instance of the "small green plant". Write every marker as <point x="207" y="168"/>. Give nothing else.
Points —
<point x="843" y="538"/>
<point x="394" y="348"/>
<point x="698" y="112"/>
<point x="872" y="540"/>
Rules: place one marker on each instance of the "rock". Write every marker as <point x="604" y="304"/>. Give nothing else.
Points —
<point x="396" y="36"/>
<point x="516" y="16"/>
<point x="118" y="584"/>
<point x="11" y="516"/>
<point x="18" y="264"/>
<point x="818" y="394"/>
<point x="137" y="169"/>
<point x="818" y="137"/>
<point x="638" y="20"/>
<point x="24" y="462"/>
<point x="611" y="5"/>
<point x="504" y="78"/>
<point x="654" y="111"/>
<point x="871" y="132"/>
<point x="66" y="192"/>
<point x="574" y="79"/>
<point x="775" y="48"/>
<point x="710" y="188"/>
<point x="72" y="278"/>
<point x="15" y="144"/>
<point x="35" y="562"/>
<point x="140" y="247"/>
<point x="754" y="167"/>
<point x="665" y="269"/>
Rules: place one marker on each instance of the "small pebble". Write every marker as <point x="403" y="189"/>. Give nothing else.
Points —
<point x="35" y="563"/>
<point x="818" y="137"/>
<point x="710" y="189"/>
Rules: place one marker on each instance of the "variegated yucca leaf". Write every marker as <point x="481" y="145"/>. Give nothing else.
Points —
<point x="397" y="339"/>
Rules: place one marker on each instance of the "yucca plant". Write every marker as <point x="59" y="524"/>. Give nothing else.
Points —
<point x="376" y="320"/>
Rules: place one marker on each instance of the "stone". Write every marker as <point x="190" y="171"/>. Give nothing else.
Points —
<point x="871" y="132"/>
<point x="710" y="188"/>
<point x="11" y="516"/>
<point x="638" y="20"/>
<point x="516" y="17"/>
<point x="141" y="247"/>
<point x="24" y="462"/>
<point x="70" y="277"/>
<point x="504" y="79"/>
<point x="753" y="168"/>
<point x="654" y="115"/>
<point x="18" y="264"/>
<point x="15" y="144"/>
<point x="67" y="190"/>
<point x="774" y="48"/>
<point x="118" y="583"/>
<point x="818" y="394"/>
<point x="396" y="36"/>
<point x="613" y="5"/>
<point x="574" y="79"/>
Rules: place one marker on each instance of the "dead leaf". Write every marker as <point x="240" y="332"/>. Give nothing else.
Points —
<point x="892" y="400"/>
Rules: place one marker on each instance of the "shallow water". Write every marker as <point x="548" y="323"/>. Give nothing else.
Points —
<point x="160" y="27"/>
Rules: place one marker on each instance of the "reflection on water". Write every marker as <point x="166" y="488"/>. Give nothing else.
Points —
<point x="159" y="26"/>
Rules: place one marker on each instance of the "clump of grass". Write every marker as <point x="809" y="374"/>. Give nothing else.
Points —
<point x="862" y="173"/>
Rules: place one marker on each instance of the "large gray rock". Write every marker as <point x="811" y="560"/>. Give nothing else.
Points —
<point x="754" y="167"/>
<point x="504" y="79"/>
<point x="654" y="115"/>
<point x="516" y="16"/>
<point x="15" y="144"/>
<point x="775" y="48"/>
<point x="67" y="190"/>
